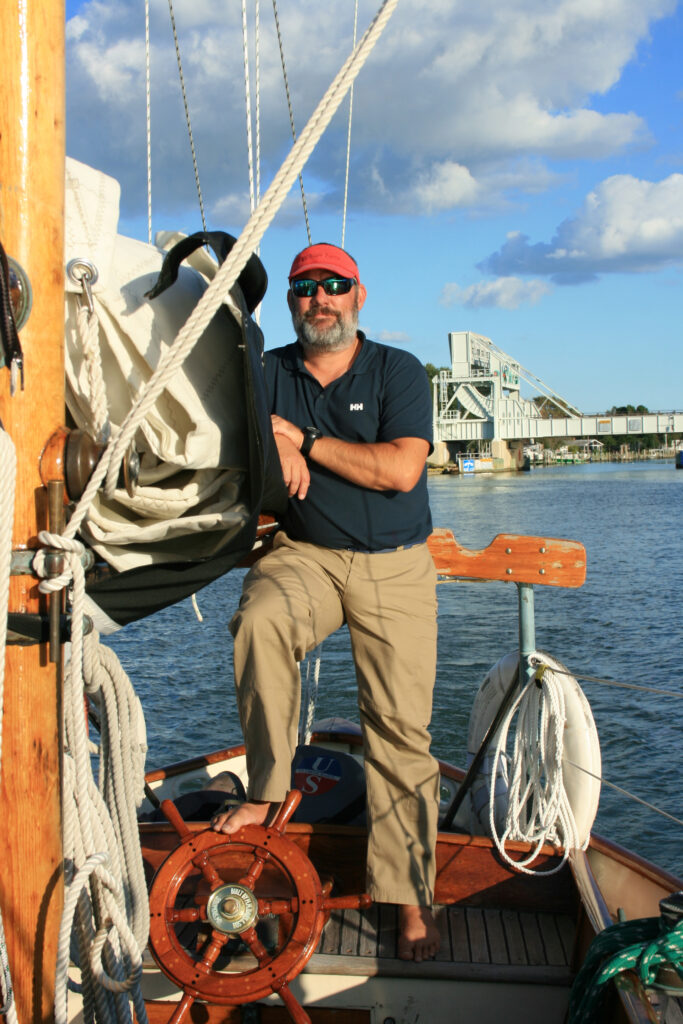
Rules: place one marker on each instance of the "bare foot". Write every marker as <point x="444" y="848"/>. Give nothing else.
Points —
<point x="254" y="812"/>
<point x="419" y="939"/>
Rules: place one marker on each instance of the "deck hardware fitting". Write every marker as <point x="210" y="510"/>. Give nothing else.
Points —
<point x="21" y="562"/>
<point x="25" y="629"/>
<point x="82" y="271"/>
<point x="21" y="293"/>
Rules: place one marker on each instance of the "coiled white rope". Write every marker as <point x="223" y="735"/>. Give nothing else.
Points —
<point x="8" y="475"/>
<point x="538" y="810"/>
<point x="100" y="825"/>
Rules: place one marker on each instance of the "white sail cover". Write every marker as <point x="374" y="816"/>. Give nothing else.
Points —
<point x="192" y="444"/>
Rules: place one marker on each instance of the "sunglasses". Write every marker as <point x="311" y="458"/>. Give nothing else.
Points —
<point x="306" y="287"/>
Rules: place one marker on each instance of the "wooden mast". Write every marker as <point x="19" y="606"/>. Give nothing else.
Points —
<point x="31" y="231"/>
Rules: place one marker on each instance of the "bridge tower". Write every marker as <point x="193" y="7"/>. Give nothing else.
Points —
<point x="479" y="399"/>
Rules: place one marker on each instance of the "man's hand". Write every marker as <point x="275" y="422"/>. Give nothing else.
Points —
<point x="294" y="469"/>
<point x="381" y="465"/>
<point x="284" y="428"/>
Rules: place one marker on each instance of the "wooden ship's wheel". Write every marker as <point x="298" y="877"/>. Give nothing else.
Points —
<point x="213" y="898"/>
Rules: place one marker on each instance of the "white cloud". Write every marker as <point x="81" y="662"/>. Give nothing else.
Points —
<point x="455" y="105"/>
<point x="393" y="337"/>
<point x="446" y="186"/>
<point x="503" y="293"/>
<point x="625" y="225"/>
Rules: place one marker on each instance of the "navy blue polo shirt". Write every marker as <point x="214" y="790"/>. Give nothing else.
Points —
<point x="384" y="395"/>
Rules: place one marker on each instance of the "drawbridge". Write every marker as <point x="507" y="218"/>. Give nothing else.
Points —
<point x="479" y="399"/>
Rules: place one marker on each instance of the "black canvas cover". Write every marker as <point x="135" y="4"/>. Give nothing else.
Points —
<point x="133" y="594"/>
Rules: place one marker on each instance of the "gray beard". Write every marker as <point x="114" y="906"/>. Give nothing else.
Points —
<point x="334" y="338"/>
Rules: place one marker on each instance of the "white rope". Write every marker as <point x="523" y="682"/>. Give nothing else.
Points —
<point x="291" y="114"/>
<point x="88" y="325"/>
<point x="8" y="474"/>
<point x="348" y="136"/>
<point x="188" y="120"/>
<point x="257" y="158"/>
<point x="257" y="76"/>
<point x="195" y="605"/>
<point x="148" y="102"/>
<point x="538" y="811"/>
<point x="311" y="682"/>
<point x="100" y="825"/>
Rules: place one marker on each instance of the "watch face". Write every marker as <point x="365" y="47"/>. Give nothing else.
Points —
<point x="311" y="434"/>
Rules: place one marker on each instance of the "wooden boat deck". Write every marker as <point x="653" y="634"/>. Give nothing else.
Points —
<point x="476" y="942"/>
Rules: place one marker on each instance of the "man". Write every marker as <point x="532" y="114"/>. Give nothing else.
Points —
<point x="352" y="423"/>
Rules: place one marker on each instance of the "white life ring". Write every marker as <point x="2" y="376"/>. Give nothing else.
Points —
<point x="581" y="767"/>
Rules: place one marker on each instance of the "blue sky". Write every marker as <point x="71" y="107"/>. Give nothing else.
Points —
<point x="515" y="168"/>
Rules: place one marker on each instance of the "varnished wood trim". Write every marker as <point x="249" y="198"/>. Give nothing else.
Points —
<point x="546" y="561"/>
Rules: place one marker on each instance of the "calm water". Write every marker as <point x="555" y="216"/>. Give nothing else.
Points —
<point x="625" y="624"/>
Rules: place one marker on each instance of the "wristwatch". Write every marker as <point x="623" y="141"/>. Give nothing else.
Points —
<point x="311" y="435"/>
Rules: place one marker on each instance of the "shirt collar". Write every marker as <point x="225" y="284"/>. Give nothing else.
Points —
<point x="360" y="364"/>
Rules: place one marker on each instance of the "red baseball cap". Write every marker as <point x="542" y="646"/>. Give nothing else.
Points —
<point x="324" y="256"/>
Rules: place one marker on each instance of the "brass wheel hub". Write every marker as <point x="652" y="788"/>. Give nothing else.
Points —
<point x="232" y="908"/>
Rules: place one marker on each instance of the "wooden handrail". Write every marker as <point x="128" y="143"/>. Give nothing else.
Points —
<point x="511" y="558"/>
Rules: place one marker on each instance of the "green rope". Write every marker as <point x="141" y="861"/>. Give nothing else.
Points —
<point x="642" y="945"/>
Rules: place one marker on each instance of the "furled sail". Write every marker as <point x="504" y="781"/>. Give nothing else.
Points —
<point x="207" y="456"/>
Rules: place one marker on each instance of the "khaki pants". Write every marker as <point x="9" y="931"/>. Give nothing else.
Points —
<point x="293" y="598"/>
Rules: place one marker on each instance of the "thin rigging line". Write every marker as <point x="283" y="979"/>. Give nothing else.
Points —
<point x="148" y="91"/>
<point x="247" y="103"/>
<point x="291" y="115"/>
<point x="187" y="114"/>
<point x="348" y="136"/>
<point x="625" y="792"/>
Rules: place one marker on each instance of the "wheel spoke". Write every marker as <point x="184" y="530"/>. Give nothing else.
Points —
<point x="294" y="1008"/>
<point x="290" y="804"/>
<point x="255" y="868"/>
<point x="360" y="902"/>
<point x="203" y="862"/>
<point x="175" y="916"/>
<point x="180" y="1012"/>
<point x="212" y="949"/>
<point x="278" y="906"/>
<point x="251" y="939"/>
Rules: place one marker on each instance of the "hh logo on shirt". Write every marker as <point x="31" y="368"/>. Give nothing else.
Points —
<point x="356" y="407"/>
